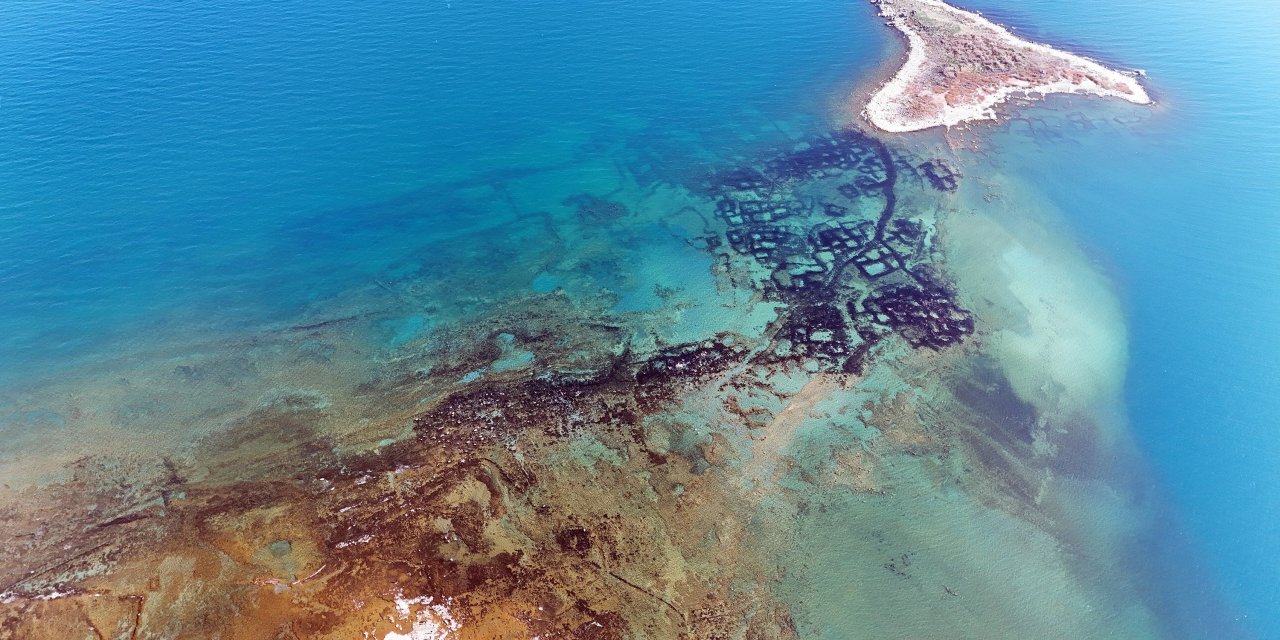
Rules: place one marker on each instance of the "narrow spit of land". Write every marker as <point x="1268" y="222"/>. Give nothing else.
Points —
<point x="960" y="66"/>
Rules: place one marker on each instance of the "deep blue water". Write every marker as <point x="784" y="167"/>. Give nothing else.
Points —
<point x="162" y="156"/>
<point x="237" y="160"/>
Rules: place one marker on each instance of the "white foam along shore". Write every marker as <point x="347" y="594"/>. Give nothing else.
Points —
<point x="910" y="101"/>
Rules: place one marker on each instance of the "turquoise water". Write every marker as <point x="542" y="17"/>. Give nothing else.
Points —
<point x="175" y="169"/>
<point x="248" y="159"/>
<point x="1184" y="218"/>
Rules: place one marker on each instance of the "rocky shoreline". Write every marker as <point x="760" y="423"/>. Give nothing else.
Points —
<point x="960" y="66"/>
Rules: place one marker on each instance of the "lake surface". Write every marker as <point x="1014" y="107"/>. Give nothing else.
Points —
<point x="267" y="266"/>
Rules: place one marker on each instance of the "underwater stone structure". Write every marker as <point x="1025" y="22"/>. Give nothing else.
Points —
<point x="847" y="279"/>
<point x="283" y="534"/>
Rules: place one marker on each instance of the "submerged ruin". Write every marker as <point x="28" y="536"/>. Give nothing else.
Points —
<point x="556" y="477"/>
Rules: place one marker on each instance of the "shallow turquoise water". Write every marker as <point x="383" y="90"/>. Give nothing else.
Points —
<point x="1185" y="219"/>
<point x="170" y="164"/>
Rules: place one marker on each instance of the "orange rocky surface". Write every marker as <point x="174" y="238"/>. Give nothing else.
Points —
<point x="541" y="509"/>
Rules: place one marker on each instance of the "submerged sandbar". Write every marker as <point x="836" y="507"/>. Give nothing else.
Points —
<point x="960" y="66"/>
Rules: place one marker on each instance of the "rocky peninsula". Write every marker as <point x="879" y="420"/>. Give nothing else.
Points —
<point x="960" y="66"/>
